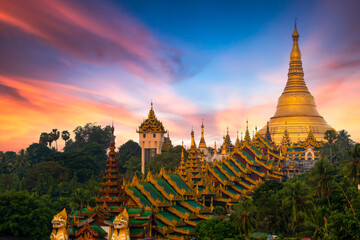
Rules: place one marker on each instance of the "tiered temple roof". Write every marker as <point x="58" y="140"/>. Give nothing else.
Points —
<point x="97" y="222"/>
<point x="174" y="202"/>
<point x="110" y="192"/>
<point x="151" y="124"/>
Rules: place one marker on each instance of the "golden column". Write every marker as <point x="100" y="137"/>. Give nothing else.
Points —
<point x="296" y="109"/>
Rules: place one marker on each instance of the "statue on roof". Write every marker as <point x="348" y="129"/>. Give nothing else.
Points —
<point x="59" y="224"/>
<point x="121" y="227"/>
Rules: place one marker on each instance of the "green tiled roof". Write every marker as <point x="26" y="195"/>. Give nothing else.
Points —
<point x="267" y="141"/>
<point x="234" y="166"/>
<point x="275" y="163"/>
<point x="256" y="150"/>
<point x="167" y="188"/>
<point x="238" y="188"/>
<point x="84" y="210"/>
<point x="113" y="207"/>
<point x="187" y="228"/>
<point x="238" y="161"/>
<point x="98" y="229"/>
<point x="221" y="175"/>
<point x="155" y="194"/>
<point x="228" y="170"/>
<point x="232" y="191"/>
<point x="76" y="213"/>
<point x="296" y="149"/>
<point x="194" y="204"/>
<point x="146" y="213"/>
<point x="134" y="211"/>
<point x="169" y="215"/>
<point x="179" y="182"/>
<point x="161" y="224"/>
<point x="138" y="194"/>
<point x="181" y="209"/>
<point x="249" y="158"/>
<point x="136" y="231"/>
<point x="138" y="221"/>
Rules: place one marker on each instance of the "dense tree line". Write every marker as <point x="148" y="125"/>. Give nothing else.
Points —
<point x="47" y="180"/>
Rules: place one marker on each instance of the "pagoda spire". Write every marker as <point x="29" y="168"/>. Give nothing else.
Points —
<point x="247" y="134"/>
<point x="112" y="142"/>
<point x="193" y="145"/>
<point x="296" y="105"/>
<point x="295" y="81"/>
<point x="182" y="151"/>
<point x="267" y="134"/>
<point x="202" y="143"/>
<point x="237" y="142"/>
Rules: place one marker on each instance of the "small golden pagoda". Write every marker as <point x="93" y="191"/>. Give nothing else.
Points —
<point x="296" y="109"/>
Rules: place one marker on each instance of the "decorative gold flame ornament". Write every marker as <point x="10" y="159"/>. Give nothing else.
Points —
<point x="296" y="109"/>
<point x="60" y="231"/>
<point x="121" y="227"/>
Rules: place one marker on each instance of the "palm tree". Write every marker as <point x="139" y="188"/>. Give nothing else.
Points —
<point x="65" y="135"/>
<point x="352" y="168"/>
<point x="296" y="200"/>
<point x="54" y="135"/>
<point x="44" y="138"/>
<point x="344" y="138"/>
<point x="330" y="136"/>
<point x="315" y="222"/>
<point x="22" y="160"/>
<point x="323" y="174"/>
<point x="244" y="217"/>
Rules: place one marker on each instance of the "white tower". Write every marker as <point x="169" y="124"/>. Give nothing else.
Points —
<point x="151" y="138"/>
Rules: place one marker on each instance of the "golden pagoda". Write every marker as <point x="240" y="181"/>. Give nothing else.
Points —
<point x="296" y="109"/>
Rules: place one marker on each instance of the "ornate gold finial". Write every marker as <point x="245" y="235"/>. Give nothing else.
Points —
<point x="192" y="139"/>
<point x="202" y="143"/>
<point x="247" y="134"/>
<point x="295" y="54"/>
<point x="182" y="151"/>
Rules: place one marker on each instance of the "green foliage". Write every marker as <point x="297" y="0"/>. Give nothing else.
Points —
<point x="352" y="166"/>
<point x="215" y="229"/>
<point x="168" y="160"/>
<point x="37" y="153"/>
<point x="244" y="217"/>
<point x="128" y="150"/>
<point x="23" y="215"/>
<point x="84" y="163"/>
<point x="133" y="167"/>
<point x="219" y="211"/>
<point x="88" y="134"/>
<point x="271" y="185"/>
<point x="41" y="175"/>
<point x="343" y="226"/>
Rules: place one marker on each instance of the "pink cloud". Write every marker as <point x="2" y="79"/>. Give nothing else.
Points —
<point x="82" y="33"/>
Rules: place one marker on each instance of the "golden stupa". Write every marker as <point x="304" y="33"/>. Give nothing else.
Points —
<point x="296" y="109"/>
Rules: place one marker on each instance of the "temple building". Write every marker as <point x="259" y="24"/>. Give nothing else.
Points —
<point x="151" y="138"/>
<point x="170" y="203"/>
<point x="296" y="109"/>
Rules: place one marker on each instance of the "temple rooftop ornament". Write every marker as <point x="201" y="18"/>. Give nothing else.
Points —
<point x="296" y="106"/>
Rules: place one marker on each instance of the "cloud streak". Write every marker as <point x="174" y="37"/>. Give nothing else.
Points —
<point x="87" y="34"/>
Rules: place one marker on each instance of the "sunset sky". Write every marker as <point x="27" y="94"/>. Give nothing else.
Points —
<point x="67" y="63"/>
